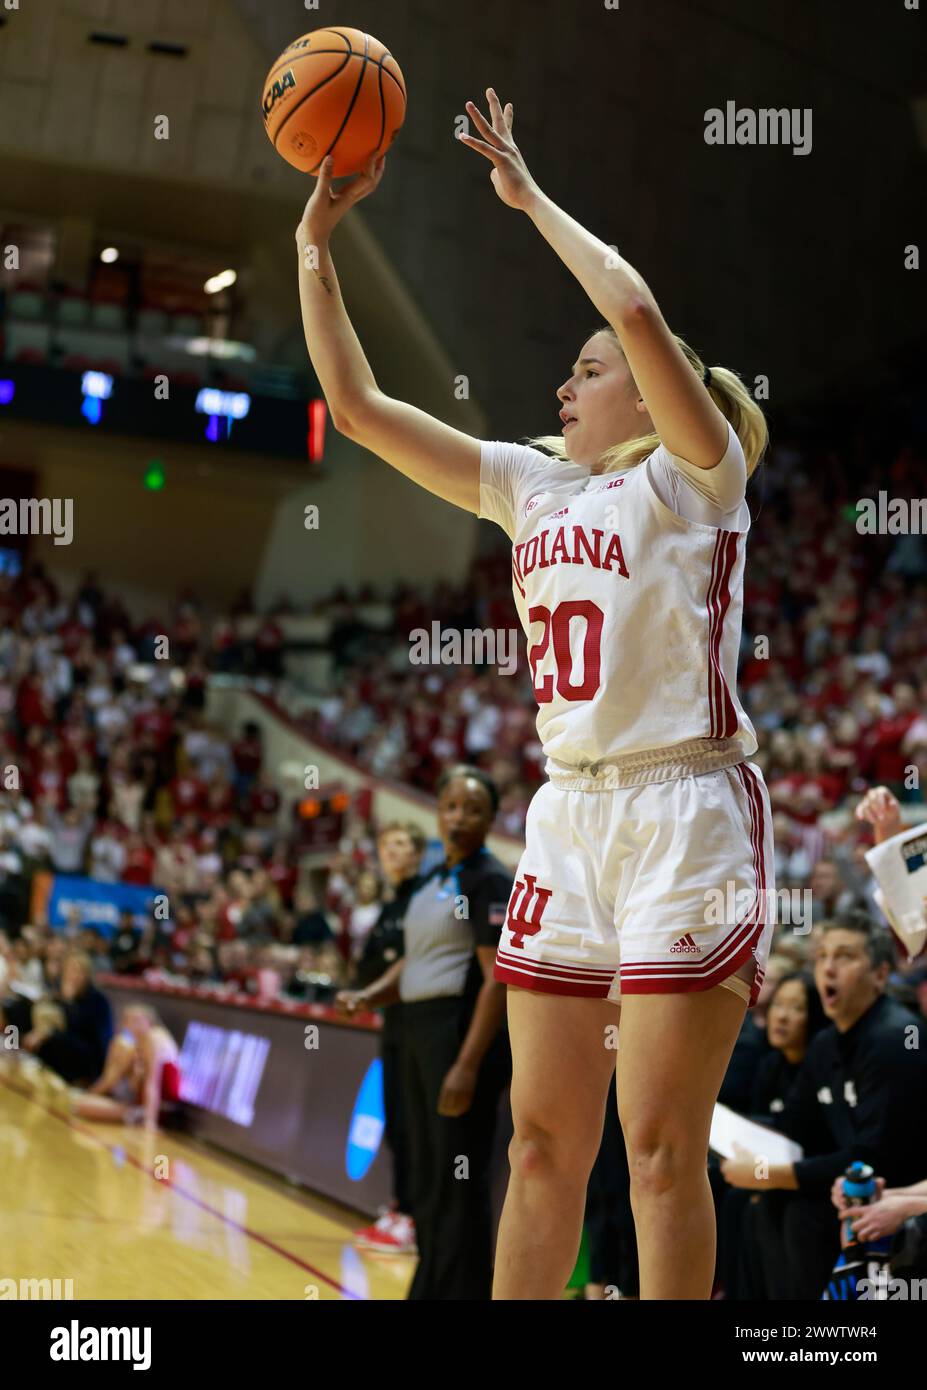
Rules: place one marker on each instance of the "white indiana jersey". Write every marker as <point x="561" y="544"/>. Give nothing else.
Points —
<point x="632" y="611"/>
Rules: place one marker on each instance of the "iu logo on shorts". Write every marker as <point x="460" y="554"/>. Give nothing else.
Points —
<point x="526" y="908"/>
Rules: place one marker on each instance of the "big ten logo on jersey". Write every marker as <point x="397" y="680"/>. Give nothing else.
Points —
<point x="526" y="909"/>
<point x="534" y="502"/>
<point x="611" y="510"/>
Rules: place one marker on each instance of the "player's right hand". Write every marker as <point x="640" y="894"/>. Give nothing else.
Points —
<point x="326" y="207"/>
<point x="348" y="1001"/>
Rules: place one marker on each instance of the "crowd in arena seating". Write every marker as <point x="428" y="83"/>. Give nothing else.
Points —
<point x="111" y="769"/>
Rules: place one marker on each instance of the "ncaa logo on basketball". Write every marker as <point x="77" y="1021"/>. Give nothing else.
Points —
<point x="276" y="93"/>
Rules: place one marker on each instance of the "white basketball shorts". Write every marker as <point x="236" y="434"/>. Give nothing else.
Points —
<point x="662" y="888"/>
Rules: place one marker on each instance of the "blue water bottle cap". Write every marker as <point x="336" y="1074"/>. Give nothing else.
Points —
<point x="859" y="1180"/>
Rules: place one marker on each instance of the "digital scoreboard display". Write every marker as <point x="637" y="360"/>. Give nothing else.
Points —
<point x="203" y="415"/>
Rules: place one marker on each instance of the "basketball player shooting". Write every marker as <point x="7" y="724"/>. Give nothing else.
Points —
<point x="628" y="534"/>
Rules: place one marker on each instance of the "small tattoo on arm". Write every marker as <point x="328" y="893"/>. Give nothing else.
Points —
<point x="325" y="281"/>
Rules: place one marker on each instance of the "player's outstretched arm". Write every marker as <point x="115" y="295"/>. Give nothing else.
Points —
<point x="429" y="452"/>
<point x="439" y="458"/>
<point x="683" y="413"/>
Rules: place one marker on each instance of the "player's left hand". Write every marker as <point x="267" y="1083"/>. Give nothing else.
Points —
<point x="510" y="177"/>
<point x="457" y="1090"/>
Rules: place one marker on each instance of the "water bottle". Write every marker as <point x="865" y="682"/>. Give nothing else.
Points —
<point x="859" y="1189"/>
<point x="859" y="1260"/>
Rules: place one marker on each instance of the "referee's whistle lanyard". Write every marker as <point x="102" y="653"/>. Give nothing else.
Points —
<point x="452" y="877"/>
<point x="453" y="890"/>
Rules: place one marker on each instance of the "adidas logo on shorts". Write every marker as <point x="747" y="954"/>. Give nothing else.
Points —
<point x="685" y="946"/>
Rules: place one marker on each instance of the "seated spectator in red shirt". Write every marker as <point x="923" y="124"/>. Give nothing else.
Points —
<point x="220" y="802"/>
<point x="72" y="632"/>
<point x="785" y="775"/>
<point x="139" y="861"/>
<point x="188" y="793"/>
<point x="185" y="928"/>
<point x="831" y="685"/>
<point x="282" y="871"/>
<point x="76" y="734"/>
<point x="263" y="803"/>
<point x="844" y="754"/>
<point x="247" y="755"/>
<point x="884" y="761"/>
<point x="154" y="725"/>
<point x="33" y="706"/>
<point x="818" y="790"/>
<point x="9" y="743"/>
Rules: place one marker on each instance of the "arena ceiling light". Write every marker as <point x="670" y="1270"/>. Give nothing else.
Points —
<point x="109" y="254"/>
<point x="222" y="281"/>
<point x="214" y="347"/>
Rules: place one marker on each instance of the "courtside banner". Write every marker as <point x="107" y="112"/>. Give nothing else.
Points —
<point x="100" y="903"/>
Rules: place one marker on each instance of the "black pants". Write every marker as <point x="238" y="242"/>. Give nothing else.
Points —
<point x="798" y="1241"/>
<point x="394" y="1114"/>
<point x="449" y="1157"/>
<point x="740" y="1263"/>
<point x="17" y="1013"/>
<point x="72" y="1057"/>
<point x="609" y="1220"/>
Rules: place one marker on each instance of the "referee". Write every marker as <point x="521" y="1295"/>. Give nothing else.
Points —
<point x="455" y="1053"/>
<point x="399" y="849"/>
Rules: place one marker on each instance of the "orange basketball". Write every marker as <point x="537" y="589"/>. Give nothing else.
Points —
<point x="337" y="92"/>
